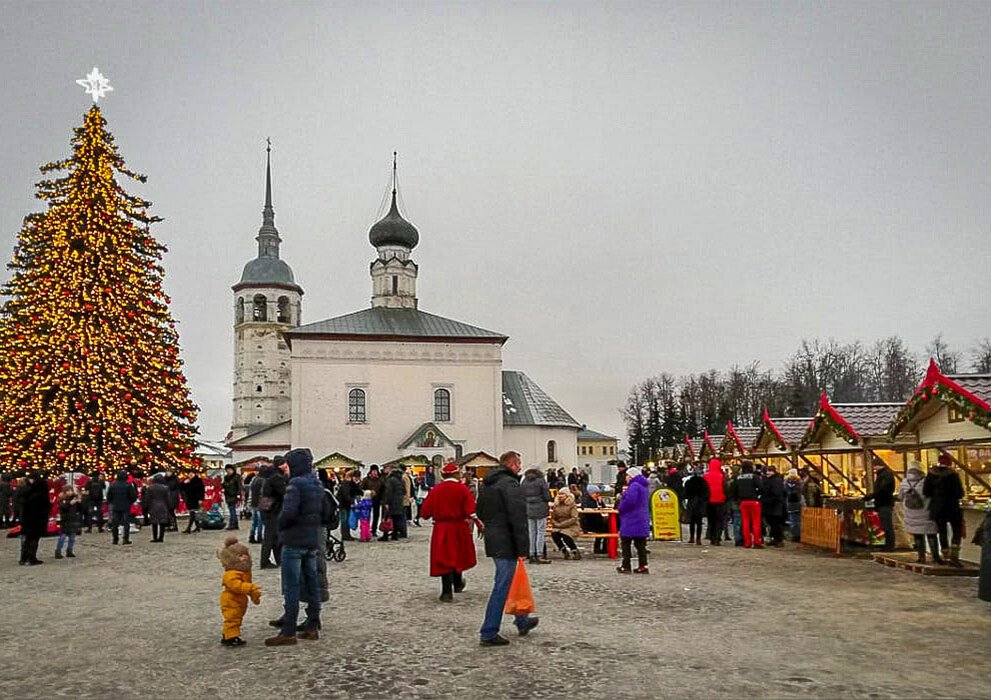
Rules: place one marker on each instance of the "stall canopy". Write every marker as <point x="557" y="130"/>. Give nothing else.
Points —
<point x="738" y="440"/>
<point x="778" y="439"/>
<point x="694" y="446"/>
<point x="710" y="446"/>
<point x="955" y="398"/>
<point x="337" y="461"/>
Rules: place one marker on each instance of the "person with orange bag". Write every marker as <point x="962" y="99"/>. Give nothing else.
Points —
<point x="502" y="510"/>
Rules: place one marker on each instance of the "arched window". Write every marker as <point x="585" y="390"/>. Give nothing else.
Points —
<point x="551" y="451"/>
<point x="284" y="310"/>
<point x="442" y="405"/>
<point x="356" y="406"/>
<point x="239" y="311"/>
<point x="259" y="308"/>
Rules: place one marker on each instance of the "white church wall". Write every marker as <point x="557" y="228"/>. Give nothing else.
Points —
<point x="399" y="379"/>
<point x="531" y="443"/>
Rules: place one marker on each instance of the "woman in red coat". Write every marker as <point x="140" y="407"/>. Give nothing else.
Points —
<point x="451" y="505"/>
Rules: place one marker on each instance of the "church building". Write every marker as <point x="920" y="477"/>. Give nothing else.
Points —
<point x="381" y="384"/>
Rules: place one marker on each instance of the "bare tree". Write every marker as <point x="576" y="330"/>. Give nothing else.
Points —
<point x="945" y="358"/>
<point x="982" y="357"/>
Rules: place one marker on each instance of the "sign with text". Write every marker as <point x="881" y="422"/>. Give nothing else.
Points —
<point x="664" y="515"/>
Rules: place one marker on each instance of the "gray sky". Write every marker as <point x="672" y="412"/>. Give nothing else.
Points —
<point x="622" y="188"/>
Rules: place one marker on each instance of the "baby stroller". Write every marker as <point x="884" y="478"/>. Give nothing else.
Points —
<point x="335" y="548"/>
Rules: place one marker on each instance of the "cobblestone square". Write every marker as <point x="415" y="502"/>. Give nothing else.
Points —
<point x="144" y="622"/>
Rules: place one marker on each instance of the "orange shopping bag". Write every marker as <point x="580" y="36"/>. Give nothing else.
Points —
<point x="519" y="600"/>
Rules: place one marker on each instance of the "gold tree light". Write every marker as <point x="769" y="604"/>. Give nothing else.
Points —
<point x="90" y="371"/>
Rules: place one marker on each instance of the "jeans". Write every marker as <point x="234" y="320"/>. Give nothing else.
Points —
<point x="300" y="580"/>
<point x="63" y="536"/>
<point x="257" y="526"/>
<point x="504" y="570"/>
<point x="120" y="518"/>
<point x="886" y="513"/>
<point x="795" y="524"/>
<point x="736" y="525"/>
<point x="538" y="534"/>
<point x="346" y="524"/>
<point x="232" y="514"/>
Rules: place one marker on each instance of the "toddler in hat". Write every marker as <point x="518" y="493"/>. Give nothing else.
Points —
<point x="364" y="511"/>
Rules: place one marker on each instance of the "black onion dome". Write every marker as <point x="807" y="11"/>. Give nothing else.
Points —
<point x="393" y="229"/>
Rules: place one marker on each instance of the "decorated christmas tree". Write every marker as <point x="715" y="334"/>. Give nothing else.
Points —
<point x="90" y="374"/>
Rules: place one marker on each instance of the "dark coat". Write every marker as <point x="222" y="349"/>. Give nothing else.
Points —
<point x="537" y="493"/>
<point x="302" y="508"/>
<point x="233" y="487"/>
<point x="373" y="484"/>
<point x="812" y="492"/>
<point x="172" y="481"/>
<point x="70" y="514"/>
<point x="348" y="493"/>
<point x="255" y="490"/>
<point x="156" y="503"/>
<point x="884" y="488"/>
<point x="393" y="492"/>
<point x="35" y="508"/>
<point x="502" y="509"/>
<point x="696" y="496"/>
<point x="96" y="490"/>
<point x="984" y="582"/>
<point x="746" y="487"/>
<point x="590" y="521"/>
<point x="6" y="492"/>
<point x="275" y="488"/>
<point x="674" y="482"/>
<point x="193" y="492"/>
<point x="120" y="495"/>
<point x="773" y="502"/>
<point x="943" y="489"/>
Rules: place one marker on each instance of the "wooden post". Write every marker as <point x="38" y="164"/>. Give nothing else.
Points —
<point x="819" y="471"/>
<point x="869" y="469"/>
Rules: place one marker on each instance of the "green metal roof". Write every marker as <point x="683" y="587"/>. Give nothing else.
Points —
<point x="400" y="323"/>
<point x="586" y="434"/>
<point x="525" y="403"/>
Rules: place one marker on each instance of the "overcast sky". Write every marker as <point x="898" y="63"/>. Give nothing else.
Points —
<point x="621" y="188"/>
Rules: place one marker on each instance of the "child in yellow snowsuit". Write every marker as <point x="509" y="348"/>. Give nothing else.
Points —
<point x="237" y="588"/>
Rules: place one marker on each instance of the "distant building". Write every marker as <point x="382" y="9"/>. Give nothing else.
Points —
<point x="595" y="451"/>
<point x="387" y="383"/>
<point x="214" y="455"/>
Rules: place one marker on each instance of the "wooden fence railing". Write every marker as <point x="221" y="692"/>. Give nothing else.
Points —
<point x="821" y="527"/>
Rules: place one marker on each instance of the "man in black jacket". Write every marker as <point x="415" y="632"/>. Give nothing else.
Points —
<point x="121" y="496"/>
<point x="502" y="510"/>
<point x="348" y="493"/>
<point x="274" y="490"/>
<point x="773" y="505"/>
<point x="944" y="490"/>
<point x="884" y="502"/>
<point x="193" y="492"/>
<point x="393" y="491"/>
<point x="745" y="489"/>
<point x="95" y="489"/>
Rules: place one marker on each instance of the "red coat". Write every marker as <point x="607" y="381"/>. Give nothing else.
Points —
<point x="452" y="549"/>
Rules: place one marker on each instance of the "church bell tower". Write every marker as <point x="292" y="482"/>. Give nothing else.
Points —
<point x="267" y="302"/>
<point x="393" y="271"/>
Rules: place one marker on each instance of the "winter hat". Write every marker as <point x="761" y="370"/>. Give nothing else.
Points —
<point x="634" y="472"/>
<point x="300" y="461"/>
<point x="946" y="460"/>
<point x="230" y="554"/>
<point x="792" y="473"/>
<point x="591" y="488"/>
<point x="449" y="469"/>
<point x="367" y="494"/>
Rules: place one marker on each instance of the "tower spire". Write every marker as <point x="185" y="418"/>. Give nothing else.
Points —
<point x="394" y="181"/>
<point x="268" y="235"/>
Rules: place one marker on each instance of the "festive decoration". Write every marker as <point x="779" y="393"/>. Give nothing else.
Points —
<point x="831" y="417"/>
<point x="89" y="355"/>
<point x="937" y="385"/>
<point x="731" y="433"/>
<point x="95" y="84"/>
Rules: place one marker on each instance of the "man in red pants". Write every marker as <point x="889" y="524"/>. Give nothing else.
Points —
<point x="746" y="490"/>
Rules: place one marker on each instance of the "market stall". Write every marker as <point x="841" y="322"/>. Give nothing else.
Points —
<point x="477" y="464"/>
<point x="737" y="442"/>
<point x="710" y="447"/>
<point x="777" y="441"/>
<point x="951" y="415"/>
<point x="340" y="464"/>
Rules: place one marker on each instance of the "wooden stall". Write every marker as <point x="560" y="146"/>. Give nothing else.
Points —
<point x="951" y="415"/>
<point x="338" y="463"/>
<point x="693" y="447"/>
<point x="710" y="447"/>
<point x="477" y="464"/>
<point x="777" y="441"/>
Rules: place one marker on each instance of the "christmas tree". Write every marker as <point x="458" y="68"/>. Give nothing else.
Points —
<point x="90" y="374"/>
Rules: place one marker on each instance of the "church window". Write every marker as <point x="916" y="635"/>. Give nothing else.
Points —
<point x="442" y="405"/>
<point x="551" y="451"/>
<point x="356" y="406"/>
<point x="395" y="284"/>
<point x="259" y="308"/>
<point x="239" y="311"/>
<point x="258" y="388"/>
<point x="283" y="309"/>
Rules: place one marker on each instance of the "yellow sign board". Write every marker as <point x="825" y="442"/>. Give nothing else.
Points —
<point x="664" y="515"/>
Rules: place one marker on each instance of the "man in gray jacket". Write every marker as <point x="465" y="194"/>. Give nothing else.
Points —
<point x="538" y="497"/>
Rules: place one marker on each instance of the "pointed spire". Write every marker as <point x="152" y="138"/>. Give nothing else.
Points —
<point x="268" y="235"/>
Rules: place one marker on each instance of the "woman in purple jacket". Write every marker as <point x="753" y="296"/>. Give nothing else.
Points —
<point x="634" y="520"/>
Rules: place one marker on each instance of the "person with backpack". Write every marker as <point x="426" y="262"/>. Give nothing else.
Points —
<point x="918" y="522"/>
<point x="794" y="504"/>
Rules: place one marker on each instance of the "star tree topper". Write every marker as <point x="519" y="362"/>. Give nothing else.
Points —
<point x="95" y="84"/>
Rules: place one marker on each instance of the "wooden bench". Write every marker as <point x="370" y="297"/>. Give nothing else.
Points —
<point x="611" y="537"/>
